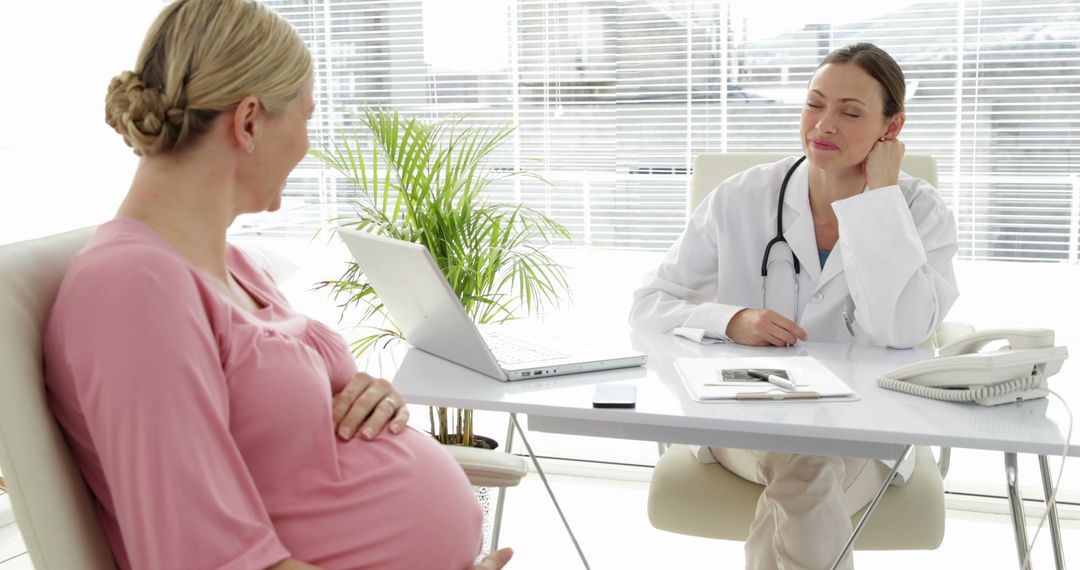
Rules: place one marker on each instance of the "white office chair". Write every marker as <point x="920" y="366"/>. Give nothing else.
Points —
<point x="53" y="506"/>
<point x="707" y="500"/>
<point x="710" y="169"/>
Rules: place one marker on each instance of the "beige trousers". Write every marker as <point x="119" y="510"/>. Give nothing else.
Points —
<point x="803" y="516"/>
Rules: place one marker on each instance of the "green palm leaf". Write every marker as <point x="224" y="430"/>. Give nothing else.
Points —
<point x="423" y="181"/>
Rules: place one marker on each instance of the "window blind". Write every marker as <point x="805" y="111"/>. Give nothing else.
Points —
<point x="613" y="99"/>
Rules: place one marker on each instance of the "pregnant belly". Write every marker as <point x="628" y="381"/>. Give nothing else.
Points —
<point x="401" y="501"/>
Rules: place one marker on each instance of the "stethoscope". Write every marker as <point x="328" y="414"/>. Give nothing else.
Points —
<point x="849" y="319"/>
<point x="780" y="239"/>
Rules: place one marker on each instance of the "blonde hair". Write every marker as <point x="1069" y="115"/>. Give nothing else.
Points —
<point x="199" y="58"/>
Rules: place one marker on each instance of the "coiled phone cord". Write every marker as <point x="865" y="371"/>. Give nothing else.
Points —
<point x="960" y="394"/>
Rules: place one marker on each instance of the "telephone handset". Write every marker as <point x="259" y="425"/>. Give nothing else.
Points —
<point x="960" y="373"/>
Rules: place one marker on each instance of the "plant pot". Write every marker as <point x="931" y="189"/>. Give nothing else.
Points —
<point x="479" y="441"/>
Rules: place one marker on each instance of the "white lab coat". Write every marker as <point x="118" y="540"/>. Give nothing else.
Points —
<point x="892" y="266"/>
<point x="893" y="262"/>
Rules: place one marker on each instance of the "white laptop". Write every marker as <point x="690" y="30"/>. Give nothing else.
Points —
<point x="422" y="303"/>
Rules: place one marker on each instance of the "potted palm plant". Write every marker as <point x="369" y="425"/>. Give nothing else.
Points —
<point x="423" y="182"/>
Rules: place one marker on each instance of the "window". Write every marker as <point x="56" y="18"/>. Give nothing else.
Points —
<point x="612" y="101"/>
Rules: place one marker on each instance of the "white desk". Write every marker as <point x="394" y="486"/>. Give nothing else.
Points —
<point x="877" y="425"/>
<point x="881" y="424"/>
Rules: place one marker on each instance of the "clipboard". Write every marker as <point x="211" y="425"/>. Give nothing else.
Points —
<point x="703" y="378"/>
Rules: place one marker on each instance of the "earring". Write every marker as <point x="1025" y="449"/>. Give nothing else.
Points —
<point x="882" y="139"/>
<point x="251" y="148"/>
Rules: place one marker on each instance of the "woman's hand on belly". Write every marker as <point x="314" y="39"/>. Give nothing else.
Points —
<point x="365" y="405"/>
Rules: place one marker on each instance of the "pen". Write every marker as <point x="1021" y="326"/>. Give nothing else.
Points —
<point x="771" y="378"/>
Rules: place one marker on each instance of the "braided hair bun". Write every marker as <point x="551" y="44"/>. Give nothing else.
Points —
<point x="141" y="115"/>
<point x="200" y="58"/>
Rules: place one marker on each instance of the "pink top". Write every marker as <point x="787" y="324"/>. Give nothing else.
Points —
<point x="205" y="431"/>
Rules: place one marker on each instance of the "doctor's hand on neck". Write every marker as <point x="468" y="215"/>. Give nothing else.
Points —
<point x="882" y="165"/>
<point x="763" y="327"/>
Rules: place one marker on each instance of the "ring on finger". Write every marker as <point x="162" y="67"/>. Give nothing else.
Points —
<point x="390" y="400"/>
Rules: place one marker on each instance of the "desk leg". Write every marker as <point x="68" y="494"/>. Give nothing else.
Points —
<point x="554" y="501"/>
<point x="870" y="508"/>
<point x="1016" y="509"/>
<point x="1052" y="513"/>
<point x="502" y="491"/>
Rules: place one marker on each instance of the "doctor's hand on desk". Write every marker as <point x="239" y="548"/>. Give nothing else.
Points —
<point x="882" y="166"/>
<point x="365" y="405"/>
<point x="763" y="327"/>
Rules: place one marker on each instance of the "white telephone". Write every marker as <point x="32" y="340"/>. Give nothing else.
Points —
<point x="960" y="373"/>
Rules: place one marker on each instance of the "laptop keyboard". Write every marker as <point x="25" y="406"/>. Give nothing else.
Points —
<point x="509" y="350"/>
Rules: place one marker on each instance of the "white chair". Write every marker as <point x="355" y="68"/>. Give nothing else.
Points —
<point x="707" y="500"/>
<point x="710" y="169"/>
<point x="53" y="506"/>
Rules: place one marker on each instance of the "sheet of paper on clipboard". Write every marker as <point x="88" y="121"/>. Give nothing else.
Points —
<point x="724" y="379"/>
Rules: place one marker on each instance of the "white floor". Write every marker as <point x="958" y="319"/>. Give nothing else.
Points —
<point x="609" y="519"/>
<point x="12" y="550"/>
<point x="608" y="516"/>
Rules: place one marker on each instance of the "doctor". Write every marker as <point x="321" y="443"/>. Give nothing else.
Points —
<point x="863" y="253"/>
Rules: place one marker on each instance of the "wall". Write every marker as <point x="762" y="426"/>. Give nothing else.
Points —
<point x="61" y="166"/>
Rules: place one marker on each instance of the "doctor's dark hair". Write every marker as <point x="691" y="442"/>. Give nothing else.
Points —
<point x="880" y="65"/>
<point x="199" y="58"/>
